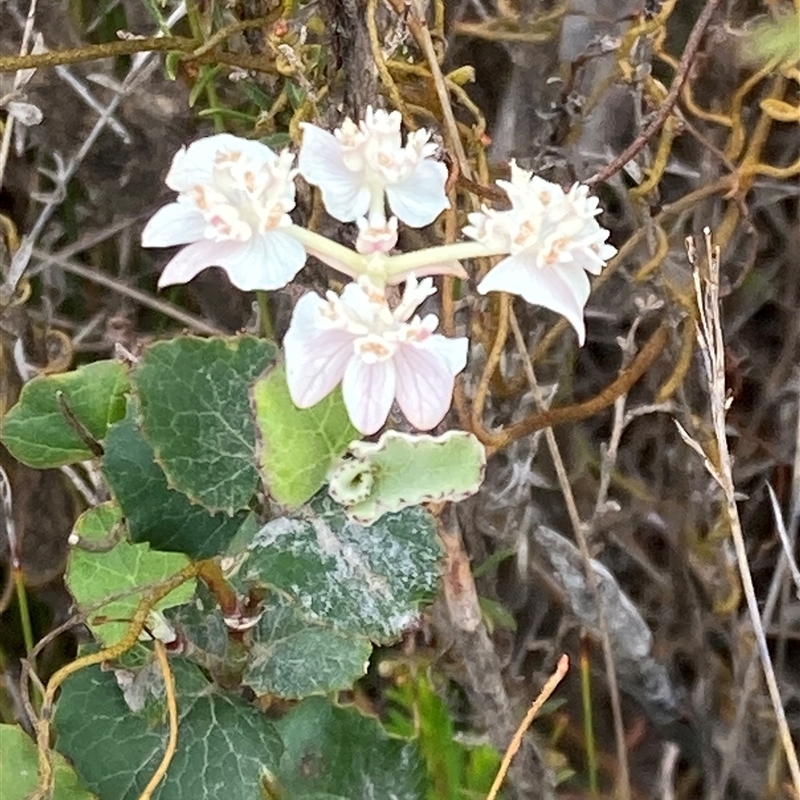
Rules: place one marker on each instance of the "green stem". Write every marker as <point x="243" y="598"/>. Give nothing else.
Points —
<point x="24" y="616"/>
<point x="207" y="73"/>
<point x="408" y="262"/>
<point x="267" y="328"/>
<point x="317" y="243"/>
<point x="588" y="724"/>
<point x="392" y="266"/>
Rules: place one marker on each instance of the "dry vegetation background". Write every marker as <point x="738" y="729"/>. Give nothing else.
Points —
<point x="564" y="87"/>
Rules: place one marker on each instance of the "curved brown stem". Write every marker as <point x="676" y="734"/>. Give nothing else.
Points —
<point x="573" y="413"/>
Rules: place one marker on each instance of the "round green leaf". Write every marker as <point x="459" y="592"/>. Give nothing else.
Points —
<point x="93" y="576"/>
<point x="289" y="655"/>
<point x="38" y="432"/>
<point x="156" y="514"/>
<point x="297" y="446"/>
<point x="19" y="769"/>
<point x="402" y="469"/>
<point x="293" y="657"/>
<point x="196" y="414"/>
<point x="330" y="750"/>
<point x="369" y="581"/>
<point x="225" y="746"/>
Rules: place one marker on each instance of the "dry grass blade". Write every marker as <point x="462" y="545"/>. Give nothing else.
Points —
<point x="788" y="544"/>
<point x="579" y="530"/>
<point x="712" y="346"/>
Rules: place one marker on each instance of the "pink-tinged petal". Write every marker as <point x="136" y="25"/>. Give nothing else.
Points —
<point x="265" y="262"/>
<point x="425" y="377"/>
<point x="368" y="391"/>
<point x="195" y="258"/>
<point x="315" y="359"/>
<point x="563" y="288"/>
<point x="268" y="262"/>
<point x="420" y="198"/>
<point x="344" y="192"/>
<point x="175" y="223"/>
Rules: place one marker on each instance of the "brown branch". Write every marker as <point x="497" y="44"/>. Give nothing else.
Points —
<point x="77" y="55"/>
<point x="126" y="47"/>
<point x="638" y="144"/>
<point x="574" y="413"/>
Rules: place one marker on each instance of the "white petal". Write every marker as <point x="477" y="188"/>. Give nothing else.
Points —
<point x="175" y="223"/>
<point x="265" y="262"/>
<point x="368" y="391"/>
<point x="420" y="198"/>
<point x="344" y="193"/>
<point x="425" y="376"/>
<point x="315" y="359"/>
<point x="355" y="297"/>
<point x="194" y="164"/>
<point x="195" y="258"/>
<point x="563" y="288"/>
<point x="269" y="262"/>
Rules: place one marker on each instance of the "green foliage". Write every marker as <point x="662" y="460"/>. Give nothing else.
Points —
<point x="293" y="656"/>
<point x="365" y="581"/>
<point x="297" y="447"/>
<point x="289" y="655"/>
<point x="402" y="470"/>
<point x="223" y="742"/>
<point x="38" y="430"/>
<point x="19" y="769"/>
<point x="456" y="771"/>
<point x="195" y="409"/>
<point x="163" y="517"/>
<point x="336" y="751"/>
<point x="773" y="37"/>
<point x="93" y="576"/>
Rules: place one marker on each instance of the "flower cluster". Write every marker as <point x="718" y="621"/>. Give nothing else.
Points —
<point x="357" y="165"/>
<point x="234" y="199"/>
<point x="232" y="211"/>
<point x="377" y="354"/>
<point x="553" y="238"/>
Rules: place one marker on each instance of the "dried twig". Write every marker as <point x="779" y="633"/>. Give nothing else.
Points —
<point x="786" y="542"/>
<point x="579" y="530"/>
<point x="712" y="348"/>
<point x="8" y="129"/>
<point x="145" y="299"/>
<point x="516" y="742"/>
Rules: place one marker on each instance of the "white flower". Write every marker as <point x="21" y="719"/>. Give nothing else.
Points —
<point x="356" y="164"/>
<point x="377" y="353"/>
<point x="234" y="196"/>
<point x="553" y="238"/>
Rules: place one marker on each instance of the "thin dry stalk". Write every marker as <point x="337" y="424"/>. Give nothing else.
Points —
<point x="5" y="145"/>
<point x="142" y="67"/>
<point x="516" y="741"/>
<point x="712" y="348"/>
<point x="623" y="780"/>
<point x="143" y="298"/>
<point x="786" y="541"/>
